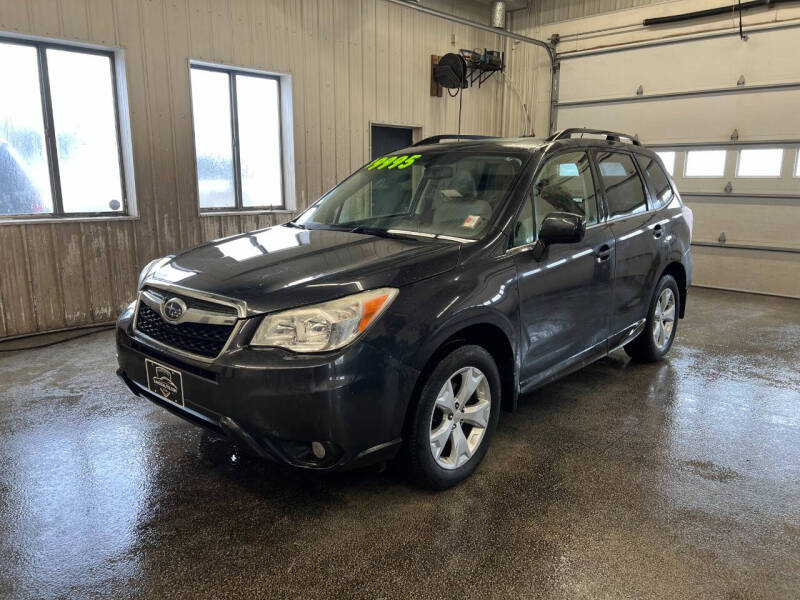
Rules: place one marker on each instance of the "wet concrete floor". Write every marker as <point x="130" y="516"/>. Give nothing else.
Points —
<point x="674" y="480"/>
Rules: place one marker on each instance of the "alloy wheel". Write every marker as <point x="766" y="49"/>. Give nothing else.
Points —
<point x="460" y="417"/>
<point x="664" y="319"/>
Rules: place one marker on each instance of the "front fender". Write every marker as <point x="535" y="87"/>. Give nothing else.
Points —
<point x="464" y="319"/>
<point x="429" y="313"/>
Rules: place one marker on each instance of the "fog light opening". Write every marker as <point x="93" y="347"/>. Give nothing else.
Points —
<point x="318" y="449"/>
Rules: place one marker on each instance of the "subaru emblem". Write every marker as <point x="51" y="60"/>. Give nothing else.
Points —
<point x="173" y="310"/>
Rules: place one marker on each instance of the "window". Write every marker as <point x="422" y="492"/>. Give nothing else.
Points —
<point x="565" y="184"/>
<point x="705" y="163"/>
<point x="625" y="193"/>
<point x="524" y="232"/>
<point x="668" y="158"/>
<point x="797" y="165"/>
<point x="60" y="151"/>
<point x="658" y="180"/>
<point x="237" y="132"/>
<point x="432" y="194"/>
<point x="760" y="162"/>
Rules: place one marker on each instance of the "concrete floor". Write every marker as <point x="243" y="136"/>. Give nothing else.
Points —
<point x="675" y="480"/>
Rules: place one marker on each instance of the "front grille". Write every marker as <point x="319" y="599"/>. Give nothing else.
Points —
<point x="193" y="302"/>
<point x="196" y="338"/>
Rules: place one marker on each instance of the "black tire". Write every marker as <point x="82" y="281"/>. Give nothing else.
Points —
<point x="644" y="348"/>
<point x="421" y="462"/>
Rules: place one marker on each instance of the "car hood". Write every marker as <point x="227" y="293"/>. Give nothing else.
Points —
<point x="283" y="267"/>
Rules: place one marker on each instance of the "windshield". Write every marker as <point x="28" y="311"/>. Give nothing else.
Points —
<point x="431" y="194"/>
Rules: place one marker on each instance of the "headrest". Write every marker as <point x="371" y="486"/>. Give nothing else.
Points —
<point x="464" y="184"/>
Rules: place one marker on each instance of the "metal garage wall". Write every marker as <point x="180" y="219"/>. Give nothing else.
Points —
<point x="351" y="62"/>
<point x="690" y="98"/>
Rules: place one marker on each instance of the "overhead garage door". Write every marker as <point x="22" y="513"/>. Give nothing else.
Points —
<point x="711" y="92"/>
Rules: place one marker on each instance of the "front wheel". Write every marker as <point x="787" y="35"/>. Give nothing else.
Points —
<point x="455" y="418"/>
<point x="662" y="323"/>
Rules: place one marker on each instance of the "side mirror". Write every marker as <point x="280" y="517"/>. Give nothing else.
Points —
<point x="559" y="228"/>
<point x="562" y="228"/>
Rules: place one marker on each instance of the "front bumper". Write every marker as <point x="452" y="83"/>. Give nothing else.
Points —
<point x="277" y="403"/>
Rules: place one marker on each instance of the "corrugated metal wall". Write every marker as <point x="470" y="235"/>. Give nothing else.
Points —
<point x="352" y="62"/>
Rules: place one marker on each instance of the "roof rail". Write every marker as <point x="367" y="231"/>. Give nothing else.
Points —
<point x="611" y="136"/>
<point x="435" y="139"/>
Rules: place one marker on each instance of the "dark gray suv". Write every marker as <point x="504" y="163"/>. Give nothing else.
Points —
<point x="401" y="311"/>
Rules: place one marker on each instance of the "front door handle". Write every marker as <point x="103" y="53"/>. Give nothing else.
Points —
<point x="658" y="231"/>
<point x="603" y="253"/>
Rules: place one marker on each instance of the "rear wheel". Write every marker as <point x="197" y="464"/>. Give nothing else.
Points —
<point x="662" y="323"/>
<point x="455" y="418"/>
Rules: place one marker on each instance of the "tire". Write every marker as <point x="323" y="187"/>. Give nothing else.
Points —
<point x="460" y="441"/>
<point x="652" y="344"/>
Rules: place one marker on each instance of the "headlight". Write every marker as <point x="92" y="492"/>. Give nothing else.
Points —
<point x="323" y="327"/>
<point x="150" y="268"/>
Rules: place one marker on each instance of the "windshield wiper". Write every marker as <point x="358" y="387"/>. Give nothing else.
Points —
<point x="377" y="231"/>
<point x="296" y="225"/>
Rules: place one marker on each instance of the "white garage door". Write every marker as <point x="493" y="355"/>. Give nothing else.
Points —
<point x="695" y="95"/>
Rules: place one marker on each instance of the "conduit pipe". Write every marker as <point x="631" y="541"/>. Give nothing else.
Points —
<point x="710" y="12"/>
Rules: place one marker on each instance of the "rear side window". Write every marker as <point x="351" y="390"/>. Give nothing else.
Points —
<point x="624" y="189"/>
<point x="658" y="179"/>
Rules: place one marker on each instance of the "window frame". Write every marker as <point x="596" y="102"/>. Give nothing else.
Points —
<point x="238" y="206"/>
<point x="796" y="170"/>
<point x="51" y="149"/>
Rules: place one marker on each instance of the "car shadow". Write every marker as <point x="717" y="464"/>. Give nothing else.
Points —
<point x="270" y="479"/>
<point x="267" y="478"/>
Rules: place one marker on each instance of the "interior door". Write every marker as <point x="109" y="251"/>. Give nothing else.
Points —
<point x="387" y="139"/>
<point x="565" y="295"/>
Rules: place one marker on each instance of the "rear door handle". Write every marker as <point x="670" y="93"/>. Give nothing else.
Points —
<point x="603" y="253"/>
<point x="658" y="231"/>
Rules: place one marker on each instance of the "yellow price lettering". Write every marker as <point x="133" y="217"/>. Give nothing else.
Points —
<point x="377" y="163"/>
<point x="393" y="162"/>
<point x="409" y="161"/>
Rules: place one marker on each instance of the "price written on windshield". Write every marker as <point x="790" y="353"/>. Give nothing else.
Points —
<point x="393" y="162"/>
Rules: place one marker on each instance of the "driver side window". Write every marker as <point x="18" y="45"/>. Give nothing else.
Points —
<point x="565" y="184"/>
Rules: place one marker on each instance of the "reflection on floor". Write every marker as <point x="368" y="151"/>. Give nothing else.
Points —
<point x="680" y="479"/>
